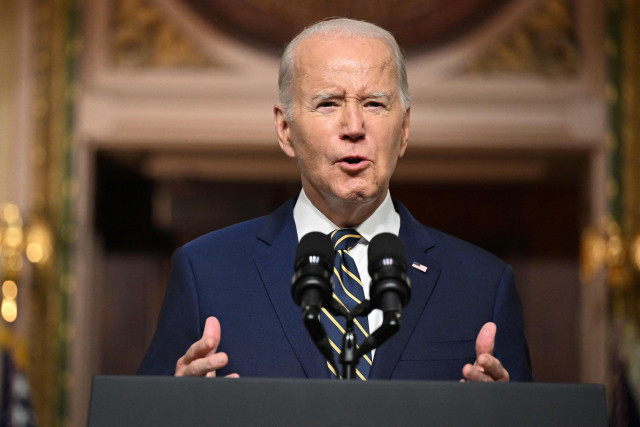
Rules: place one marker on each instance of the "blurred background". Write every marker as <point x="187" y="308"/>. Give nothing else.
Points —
<point x="129" y="127"/>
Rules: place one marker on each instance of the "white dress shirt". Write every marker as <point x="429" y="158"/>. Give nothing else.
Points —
<point x="384" y="220"/>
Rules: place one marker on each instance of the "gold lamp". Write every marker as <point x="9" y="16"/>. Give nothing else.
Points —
<point x="14" y="245"/>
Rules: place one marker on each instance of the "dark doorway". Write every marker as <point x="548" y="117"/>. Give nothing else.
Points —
<point x="534" y="225"/>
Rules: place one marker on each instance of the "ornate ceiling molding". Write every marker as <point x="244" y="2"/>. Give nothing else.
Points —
<point x="142" y="37"/>
<point x="545" y="43"/>
<point x="416" y="24"/>
<point x="452" y="106"/>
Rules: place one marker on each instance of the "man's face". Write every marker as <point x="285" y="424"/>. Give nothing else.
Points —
<point x="349" y="126"/>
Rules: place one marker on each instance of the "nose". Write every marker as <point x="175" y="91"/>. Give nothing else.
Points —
<point x="352" y="122"/>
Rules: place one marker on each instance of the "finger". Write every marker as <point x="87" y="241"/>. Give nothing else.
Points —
<point x="486" y="339"/>
<point x="212" y="330"/>
<point x="493" y="368"/>
<point x="472" y="373"/>
<point x="206" y="365"/>
<point x="213" y="374"/>
<point x="198" y="349"/>
<point x="207" y="344"/>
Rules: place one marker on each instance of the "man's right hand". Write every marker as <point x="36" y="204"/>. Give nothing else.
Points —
<point x="201" y="359"/>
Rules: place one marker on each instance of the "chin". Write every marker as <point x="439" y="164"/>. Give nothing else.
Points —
<point x="357" y="195"/>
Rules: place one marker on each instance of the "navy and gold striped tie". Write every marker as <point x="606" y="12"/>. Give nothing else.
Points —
<point x="348" y="291"/>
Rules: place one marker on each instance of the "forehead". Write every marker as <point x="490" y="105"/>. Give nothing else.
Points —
<point x="327" y="60"/>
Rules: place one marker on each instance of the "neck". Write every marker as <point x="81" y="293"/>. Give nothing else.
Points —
<point x="344" y="213"/>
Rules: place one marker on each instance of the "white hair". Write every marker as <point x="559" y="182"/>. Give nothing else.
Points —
<point x="338" y="27"/>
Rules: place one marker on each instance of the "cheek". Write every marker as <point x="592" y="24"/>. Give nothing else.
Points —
<point x="310" y="152"/>
<point x="388" y="146"/>
<point x="311" y="159"/>
<point x="313" y="147"/>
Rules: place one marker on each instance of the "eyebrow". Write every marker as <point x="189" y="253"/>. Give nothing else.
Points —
<point x="381" y="94"/>
<point x="321" y="96"/>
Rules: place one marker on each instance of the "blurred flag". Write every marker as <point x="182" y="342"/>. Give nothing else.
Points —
<point x="17" y="408"/>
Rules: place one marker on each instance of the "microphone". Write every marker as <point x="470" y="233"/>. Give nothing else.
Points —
<point x="311" y="282"/>
<point x="312" y="287"/>
<point x="390" y="289"/>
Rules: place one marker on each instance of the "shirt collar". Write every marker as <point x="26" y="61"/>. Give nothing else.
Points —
<point x="308" y="218"/>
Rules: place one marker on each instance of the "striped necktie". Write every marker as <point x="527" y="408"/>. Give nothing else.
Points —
<point x="348" y="291"/>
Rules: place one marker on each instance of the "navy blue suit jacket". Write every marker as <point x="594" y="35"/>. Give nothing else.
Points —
<point x="242" y="276"/>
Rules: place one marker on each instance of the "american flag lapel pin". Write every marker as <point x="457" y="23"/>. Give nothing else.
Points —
<point x="419" y="266"/>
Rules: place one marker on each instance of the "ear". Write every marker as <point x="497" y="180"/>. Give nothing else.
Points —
<point x="283" y="129"/>
<point x="404" y="139"/>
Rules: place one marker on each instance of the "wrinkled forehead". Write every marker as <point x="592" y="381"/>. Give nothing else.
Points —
<point x="346" y="53"/>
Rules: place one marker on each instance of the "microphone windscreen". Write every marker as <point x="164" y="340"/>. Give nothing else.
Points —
<point x="386" y="245"/>
<point x="315" y="244"/>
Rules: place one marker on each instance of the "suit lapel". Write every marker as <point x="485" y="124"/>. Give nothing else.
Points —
<point x="275" y="264"/>
<point x="417" y="242"/>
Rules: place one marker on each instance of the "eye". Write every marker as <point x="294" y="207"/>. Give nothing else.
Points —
<point x="374" y="104"/>
<point x="328" y="106"/>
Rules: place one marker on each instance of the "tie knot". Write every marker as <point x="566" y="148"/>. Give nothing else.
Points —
<point x="345" y="239"/>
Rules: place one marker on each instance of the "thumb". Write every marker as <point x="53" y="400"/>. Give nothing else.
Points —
<point x="212" y="333"/>
<point x="486" y="339"/>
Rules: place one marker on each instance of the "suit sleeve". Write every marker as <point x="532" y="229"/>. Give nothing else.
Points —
<point x="179" y="321"/>
<point x="511" y="344"/>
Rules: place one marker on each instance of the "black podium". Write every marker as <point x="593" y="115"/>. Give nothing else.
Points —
<point x="165" y="401"/>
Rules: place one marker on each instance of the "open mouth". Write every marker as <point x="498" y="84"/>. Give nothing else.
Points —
<point x="353" y="160"/>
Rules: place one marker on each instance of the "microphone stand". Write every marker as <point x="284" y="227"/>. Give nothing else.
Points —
<point x="311" y="321"/>
<point x="351" y="352"/>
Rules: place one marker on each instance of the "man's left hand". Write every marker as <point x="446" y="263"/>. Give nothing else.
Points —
<point x="486" y="368"/>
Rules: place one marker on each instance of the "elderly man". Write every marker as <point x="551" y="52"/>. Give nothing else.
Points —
<point x="343" y="114"/>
